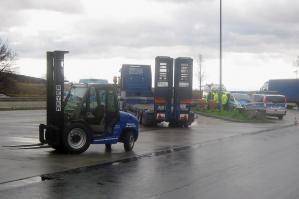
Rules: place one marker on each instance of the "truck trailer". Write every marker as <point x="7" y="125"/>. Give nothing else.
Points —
<point x="183" y="79"/>
<point x="169" y="102"/>
<point x="163" y="91"/>
<point x="136" y="95"/>
<point x="286" y="87"/>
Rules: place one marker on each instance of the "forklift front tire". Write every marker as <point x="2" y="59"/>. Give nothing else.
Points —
<point x="76" y="138"/>
<point x="108" y="148"/>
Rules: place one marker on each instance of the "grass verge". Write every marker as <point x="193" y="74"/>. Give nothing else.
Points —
<point x="235" y="115"/>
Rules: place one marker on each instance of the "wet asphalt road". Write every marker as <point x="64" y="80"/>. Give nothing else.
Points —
<point x="262" y="165"/>
<point x="212" y="159"/>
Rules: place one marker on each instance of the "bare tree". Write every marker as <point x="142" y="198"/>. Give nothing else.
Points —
<point x="7" y="57"/>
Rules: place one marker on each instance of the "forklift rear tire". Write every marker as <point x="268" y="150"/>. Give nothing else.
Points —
<point x="76" y="138"/>
<point x="129" y="141"/>
<point x="108" y="148"/>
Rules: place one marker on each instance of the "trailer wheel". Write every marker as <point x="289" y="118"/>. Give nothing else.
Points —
<point x="172" y="124"/>
<point x="76" y="138"/>
<point x="185" y="125"/>
<point x="129" y="141"/>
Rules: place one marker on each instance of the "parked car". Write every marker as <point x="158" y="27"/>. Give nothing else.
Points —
<point x="275" y="105"/>
<point x="239" y="100"/>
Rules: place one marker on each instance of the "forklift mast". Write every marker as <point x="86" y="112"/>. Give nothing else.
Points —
<point x="55" y="88"/>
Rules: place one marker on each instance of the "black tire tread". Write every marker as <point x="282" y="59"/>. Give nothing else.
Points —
<point x="127" y="146"/>
<point x="67" y="148"/>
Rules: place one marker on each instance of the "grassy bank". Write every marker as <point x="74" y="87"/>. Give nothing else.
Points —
<point x="15" y="85"/>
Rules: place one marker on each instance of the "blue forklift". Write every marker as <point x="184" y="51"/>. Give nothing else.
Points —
<point x="86" y="114"/>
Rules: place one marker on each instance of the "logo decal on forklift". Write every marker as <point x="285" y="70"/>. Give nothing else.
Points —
<point x="58" y="97"/>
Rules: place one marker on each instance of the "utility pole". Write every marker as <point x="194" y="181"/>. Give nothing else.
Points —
<point x="220" y="60"/>
<point x="200" y="74"/>
<point x="296" y="64"/>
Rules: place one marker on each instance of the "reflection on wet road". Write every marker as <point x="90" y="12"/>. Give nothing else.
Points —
<point x="260" y="166"/>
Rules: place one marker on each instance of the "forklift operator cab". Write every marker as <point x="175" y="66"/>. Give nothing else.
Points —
<point x="89" y="114"/>
<point x="96" y="105"/>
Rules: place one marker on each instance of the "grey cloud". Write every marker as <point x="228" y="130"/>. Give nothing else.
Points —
<point x="15" y="13"/>
<point x="266" y="27"/>
<point x="183" y="1"/>
<point x="66" y="6"/>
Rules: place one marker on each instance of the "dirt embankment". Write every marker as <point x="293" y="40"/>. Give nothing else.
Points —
<point x="22" y="86"/>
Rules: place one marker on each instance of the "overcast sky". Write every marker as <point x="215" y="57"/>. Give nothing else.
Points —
<point x="260" y="38"/>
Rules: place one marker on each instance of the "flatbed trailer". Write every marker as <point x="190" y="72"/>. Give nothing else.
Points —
<point x="171" y="99"/>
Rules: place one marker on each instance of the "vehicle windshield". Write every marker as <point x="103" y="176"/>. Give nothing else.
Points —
<point x="276" y="99"/>
<point x="93" y="81"/>
<point x="242" y="97"/>
<point x="75" y="98"/>
<point x="258" y="98"/>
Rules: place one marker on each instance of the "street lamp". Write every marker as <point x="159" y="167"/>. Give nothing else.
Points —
<point x="200" y="74"/>
<point x="220" y="60"/>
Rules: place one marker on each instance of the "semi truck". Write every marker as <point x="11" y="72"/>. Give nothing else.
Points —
<point x="89" y="114"/>
<point x="287" y="87"/>
<point x="136" y="84"/>
<point x="169" y="102"/>
<point x="136" y="94"/>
